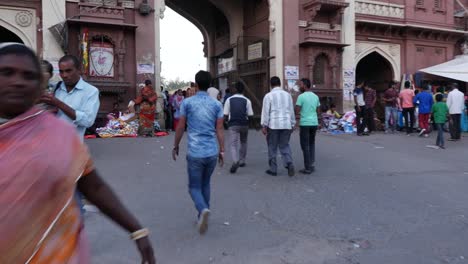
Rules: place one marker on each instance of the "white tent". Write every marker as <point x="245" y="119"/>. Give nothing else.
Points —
<point x="456" y="69"/>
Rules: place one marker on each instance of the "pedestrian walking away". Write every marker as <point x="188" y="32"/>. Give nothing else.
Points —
<point x="456" y="105"/>
<point x="203" y="117"/>
<point x="278" y="121"/>
<point x="425" y="101"/>
<point x="43" y="160"/>
<point x="360" y="107"/>
<point x="440" y="112"/>
<point x="406" y="98"/>
<point x="307" y="107"/>
<point x="390" y="98"/>
<point x="237" y="110"/>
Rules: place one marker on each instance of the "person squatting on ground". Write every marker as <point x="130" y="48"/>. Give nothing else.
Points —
<point x="237" y="110"/>
<point x="307" y="107"/>
<point x="278" y="121"/>
<point x="43" y="160"/>
<point x="204" y="118"/>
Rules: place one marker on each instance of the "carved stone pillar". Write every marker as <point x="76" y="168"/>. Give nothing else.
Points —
<point x="121" y="57"/>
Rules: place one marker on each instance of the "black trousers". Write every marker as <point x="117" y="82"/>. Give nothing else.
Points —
<point x="455" y="126"/>
<point x="408" y="115"/>
<point x="307" y="136"/>
<point x="369" y="119"/>
<point x="360" y="119"/>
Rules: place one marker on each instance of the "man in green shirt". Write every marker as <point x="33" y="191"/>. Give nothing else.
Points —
<point x="307" y="106"/>
<point x="440" y="112"/>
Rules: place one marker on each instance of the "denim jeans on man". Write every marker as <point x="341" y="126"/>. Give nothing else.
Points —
<point x="440" y="135"/>
<point x="391" y="113"/>
<point x="279" y="138"/>
<point x="307" y="137"/>
<point x="199" y="173"/>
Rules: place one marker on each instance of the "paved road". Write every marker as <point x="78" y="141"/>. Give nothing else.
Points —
<point x="384" y="199"/>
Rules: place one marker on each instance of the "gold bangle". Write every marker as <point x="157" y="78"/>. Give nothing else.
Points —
<point x="139" y="234"/>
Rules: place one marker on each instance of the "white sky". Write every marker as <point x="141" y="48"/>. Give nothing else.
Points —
<point x="181" y="48"/>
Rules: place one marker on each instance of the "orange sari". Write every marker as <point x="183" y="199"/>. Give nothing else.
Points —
<point x="41" y="159"/>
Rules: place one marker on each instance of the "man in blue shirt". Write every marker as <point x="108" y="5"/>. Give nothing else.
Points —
<point x="203" y="117"/>
<point x="76" y="100"/>
<point x="424" y="100"/>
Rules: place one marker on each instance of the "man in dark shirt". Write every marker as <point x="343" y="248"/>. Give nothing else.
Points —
<point x="370" y="98"/>
<point x="390" y="98"/>
<point x="237" y="109"/>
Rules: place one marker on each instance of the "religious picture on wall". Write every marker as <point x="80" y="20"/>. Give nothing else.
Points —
<point x="101" y="59"/>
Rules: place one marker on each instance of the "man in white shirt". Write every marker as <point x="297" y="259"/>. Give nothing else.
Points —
<point x="278" y="121"/>
<point x="456" y="104"/>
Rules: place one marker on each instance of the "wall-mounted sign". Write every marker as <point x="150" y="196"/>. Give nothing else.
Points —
<point x="255" y="51"/>
<point x="101" y="59"/>
<point x="145" y="68"/>
<point x="291" y="72"/>
<point x="225" y="65"/>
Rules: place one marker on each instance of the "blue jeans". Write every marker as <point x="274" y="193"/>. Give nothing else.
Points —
<point x="391" y="112"/>
<point x="440" y="135"/>
<point x="199" y="172"/>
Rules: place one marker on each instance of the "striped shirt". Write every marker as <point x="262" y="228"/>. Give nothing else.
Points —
<point x="278" y="110"/>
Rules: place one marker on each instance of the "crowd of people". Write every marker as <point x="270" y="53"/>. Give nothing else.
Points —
<point x="432" y="111"/>
<point x="39" y="121"/>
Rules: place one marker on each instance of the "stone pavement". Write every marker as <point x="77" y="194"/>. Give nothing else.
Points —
<point x="383" y="199"/>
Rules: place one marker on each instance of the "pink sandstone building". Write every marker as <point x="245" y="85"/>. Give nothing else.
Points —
<point x="332" y="42"/>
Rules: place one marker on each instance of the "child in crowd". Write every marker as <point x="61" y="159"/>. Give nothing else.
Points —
<point x="332" y="111"/>
<point x="440" y="112"/>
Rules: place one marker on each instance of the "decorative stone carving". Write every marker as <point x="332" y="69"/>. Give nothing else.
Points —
<point x="24" y="18"/>
<point x="375" y="8"/>
<point x="128" y="4"/>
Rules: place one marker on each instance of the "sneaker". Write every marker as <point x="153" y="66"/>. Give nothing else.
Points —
<point x="234" y="167"/>
<point x="426" y="135"/>
<point x="271" y="173"/>
<point x="305" y="171"/>
<point x="441" y="147"/>
<point x="422" y="132"/>
<point x="291" y="171"/>
<point x="203" y="221"/>
<point x="242" y="165"/>
<point x="452" y="139"/>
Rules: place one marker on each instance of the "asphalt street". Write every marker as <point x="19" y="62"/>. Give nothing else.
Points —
<point x="383" y="199"/>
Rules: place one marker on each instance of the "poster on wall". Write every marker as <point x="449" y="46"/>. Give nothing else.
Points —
<point x="225" y="65"/>
<point x="101" y="59"/>
<point x="292" y="85"/>
<point x="291" y="72"/>
<point x="255" y="51"/>
<point x="348" y="84"/>
<point x="145" y="68"/>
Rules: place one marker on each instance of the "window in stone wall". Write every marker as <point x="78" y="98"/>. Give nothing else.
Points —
<point x="439" y="6"/>
<point x="420" y="4"/>
<point x="320" y="68"/>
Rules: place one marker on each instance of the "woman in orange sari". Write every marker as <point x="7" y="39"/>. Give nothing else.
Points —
<point x="41" y="163"/>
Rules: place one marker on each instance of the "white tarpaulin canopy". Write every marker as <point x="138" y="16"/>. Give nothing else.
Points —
<point x="456" y="69"/>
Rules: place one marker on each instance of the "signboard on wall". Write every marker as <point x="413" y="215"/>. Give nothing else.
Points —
<point x="101" y="59"/>
<point x="255" y="51"/>
<point x="225" y="65"/>
<point x="291" y="72"/>
<point x="348" y="84"/>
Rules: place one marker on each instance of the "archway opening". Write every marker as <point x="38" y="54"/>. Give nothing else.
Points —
<point x="8" y="36"/>
<point x="378" y="72"/>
